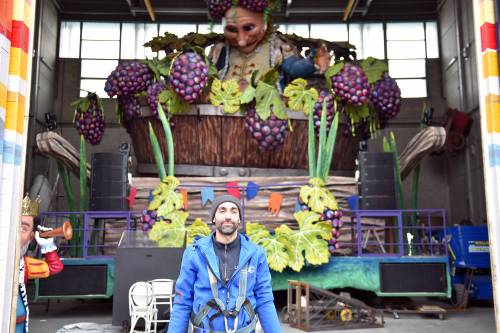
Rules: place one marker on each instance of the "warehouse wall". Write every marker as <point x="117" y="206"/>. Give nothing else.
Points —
<point x="44" y="86"/>
<point x="433" y="184"/>
<point x="68" y="91"/>
<point x="458" y="61"/>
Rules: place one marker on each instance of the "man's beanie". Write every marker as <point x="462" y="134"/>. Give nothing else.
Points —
<point x="220" y="200"/>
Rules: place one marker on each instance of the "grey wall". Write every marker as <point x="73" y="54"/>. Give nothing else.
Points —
<point x="68" y="91"/>
<point x="465" y="168"/>
<point x="43" y="89"/>
<point x="451" y="180"/>
<point x="433" y="184"/>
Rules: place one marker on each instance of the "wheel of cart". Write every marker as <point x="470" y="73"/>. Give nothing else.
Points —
<point x="284" y="315"/>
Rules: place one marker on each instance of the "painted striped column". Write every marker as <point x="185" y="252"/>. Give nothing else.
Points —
<point x="485" y="24"/>
<point x="16" y="18"/>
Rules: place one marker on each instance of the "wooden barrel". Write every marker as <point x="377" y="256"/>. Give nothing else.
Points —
<point x="221" y="140"/>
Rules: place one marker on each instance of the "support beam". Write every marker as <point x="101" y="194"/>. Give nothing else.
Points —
<point x="149" y="7"/>
<point x="349" y="9"/>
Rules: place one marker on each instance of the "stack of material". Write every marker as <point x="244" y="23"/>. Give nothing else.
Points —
<point x="53" y="145"/>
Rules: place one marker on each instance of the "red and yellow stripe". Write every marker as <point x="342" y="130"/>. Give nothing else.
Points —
<point x="489" y="56"/>
<point x="18" y="66"/>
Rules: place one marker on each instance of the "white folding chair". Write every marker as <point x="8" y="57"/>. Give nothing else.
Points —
<point x="141" y="305"/>
<point x="163" y="290"/>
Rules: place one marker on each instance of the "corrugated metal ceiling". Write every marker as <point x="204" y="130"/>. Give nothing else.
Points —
<point x="292" y="10"/>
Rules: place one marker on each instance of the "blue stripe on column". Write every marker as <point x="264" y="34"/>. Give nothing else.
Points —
<point x="11" y="153"/>
<point x="18" y="155"/>
<point x="1" y="139"/>
<point x="494" y="155"/>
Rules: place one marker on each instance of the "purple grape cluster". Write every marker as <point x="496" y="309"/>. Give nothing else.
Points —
<point x="149" y="218"/>
<point x="189" y="76"/>
<point x="218" y="8"/>
<point x="128" y="78"/>
<point x="153" y="92"/>
<point x="268" y="134"/>
<point x="385" y="96"/>
<point x="318" y="108"/>
<point x="253" y="5"/>
<point x="130" y="107"/>
<point x="351" y="85"/>
<point x="90" y="123"/>
<point x="334" y="217"/>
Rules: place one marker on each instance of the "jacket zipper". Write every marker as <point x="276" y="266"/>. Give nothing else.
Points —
<point x="225" y="263"/>
<point x="234" y="273"/>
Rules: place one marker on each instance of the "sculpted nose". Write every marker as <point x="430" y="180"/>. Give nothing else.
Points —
<point x="242" y="40"/>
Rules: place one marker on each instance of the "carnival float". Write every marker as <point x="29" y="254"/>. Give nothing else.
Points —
<point x="254" y="97"/>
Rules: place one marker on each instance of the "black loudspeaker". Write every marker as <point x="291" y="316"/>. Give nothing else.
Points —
<point x="70" y="283"/>
<point x="79" y="279"/>
<point x="413" y="278"/>
<point x="108" y="182"/>
<point x="377" y="186"/>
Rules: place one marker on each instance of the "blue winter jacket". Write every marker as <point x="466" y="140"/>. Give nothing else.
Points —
<point x="193" y="287"/>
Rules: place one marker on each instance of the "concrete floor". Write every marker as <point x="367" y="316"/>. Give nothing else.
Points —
<point x="478" y="318"/>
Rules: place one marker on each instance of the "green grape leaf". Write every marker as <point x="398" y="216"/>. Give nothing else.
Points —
<point x="164" y="96"/>
<point x="172" y="101"/>
<point x="357" y="113"/>
<point x="153" y="66"/>
<point x="373" y="68"/>
<point x="164" y="67"/>
<point x="165" y="198"/>
<point x="268" y="99"/>
<point x="248" y="95"/>
<point x="331" y="71"/>
<point x="212" y="70"/>
<point x="271" y="77"/>
<point x="198" y="228"/>
<point x="318" y="198"/>
<point x="253" y="79"/>
<point x="276" y="247"/>
<point x="308" y="241"/>
<point x="299" y="97"/>
<point x="226" y="93"/>
<point x="170" y="234"/>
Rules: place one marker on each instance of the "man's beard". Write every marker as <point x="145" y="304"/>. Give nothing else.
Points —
<point x="226" y="229"/>
<point x="24" y="249"/>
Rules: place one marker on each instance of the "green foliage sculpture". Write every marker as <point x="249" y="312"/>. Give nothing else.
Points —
<point x="292" y="248"/>
<point x="171" y="230"/>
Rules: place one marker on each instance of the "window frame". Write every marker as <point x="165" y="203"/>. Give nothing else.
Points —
<point x="309" y="26"/>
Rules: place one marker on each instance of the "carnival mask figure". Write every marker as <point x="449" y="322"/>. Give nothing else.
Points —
<point x="252" y="45"/>
<point x="244" y="29"/>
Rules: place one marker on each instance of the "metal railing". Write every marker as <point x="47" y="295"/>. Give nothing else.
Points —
<point x="89" y="230"/>
<point x="399" y="232"/>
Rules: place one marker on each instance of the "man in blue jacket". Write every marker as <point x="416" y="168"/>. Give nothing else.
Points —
<point x="224" y="283"/>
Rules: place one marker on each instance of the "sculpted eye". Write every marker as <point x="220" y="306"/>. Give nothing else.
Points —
<point x="248" y="27"/>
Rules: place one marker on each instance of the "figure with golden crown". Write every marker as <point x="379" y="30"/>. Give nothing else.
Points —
<point x="31" y="268"/>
